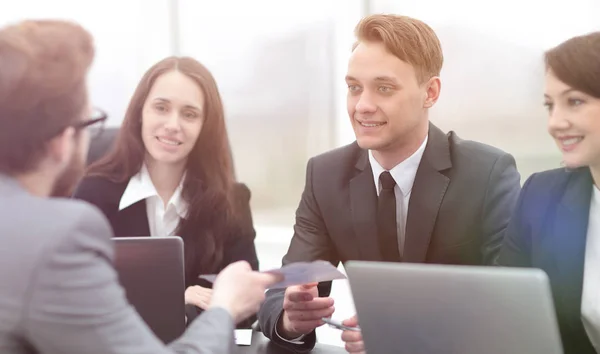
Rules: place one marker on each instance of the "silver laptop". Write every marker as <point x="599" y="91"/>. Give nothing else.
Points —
<point x="151" y="269"/>
<point x="425" y="308"/>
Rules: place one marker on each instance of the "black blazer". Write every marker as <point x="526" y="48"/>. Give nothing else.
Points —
<point x="548" y="231"/>
<point x="460" y="204"/>
<point x="133" y="221"/>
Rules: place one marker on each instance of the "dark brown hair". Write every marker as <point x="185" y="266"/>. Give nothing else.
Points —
<point x="209" y="181"/>
<point x="576" y="62"/>
<point x="409" y="39"/>
<point x="43" y="67"/>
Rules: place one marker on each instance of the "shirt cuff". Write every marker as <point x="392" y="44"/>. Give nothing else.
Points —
<point x="297" y="340"/>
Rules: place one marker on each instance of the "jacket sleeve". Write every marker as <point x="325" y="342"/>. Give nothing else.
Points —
<point x="239" y="246"/>
<point x="76" y="304"/>
<point x="499" y="204"/>
<point x="310" y="242"/>
<point x="516" y="249"/>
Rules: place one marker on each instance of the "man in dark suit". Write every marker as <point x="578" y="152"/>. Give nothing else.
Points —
<point x="403" y="192"/>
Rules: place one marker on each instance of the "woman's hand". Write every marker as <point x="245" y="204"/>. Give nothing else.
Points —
<point x="198" y="296"/>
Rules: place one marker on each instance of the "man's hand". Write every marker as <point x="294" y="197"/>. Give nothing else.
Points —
<point x="353" y="339"/>
<point x="198" y="296"/>
<point x="303" y="310"/>
<point x="241" y="291"/>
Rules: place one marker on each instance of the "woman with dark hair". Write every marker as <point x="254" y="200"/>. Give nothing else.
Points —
<point x="556" y="226"/>
<point x="170" y="172"/>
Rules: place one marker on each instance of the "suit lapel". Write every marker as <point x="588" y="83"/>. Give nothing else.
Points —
<point x="426" y="197"/>
<point x="569" y="234"/>
<point x="363" y="202"/>
<point x="132" y="221"/>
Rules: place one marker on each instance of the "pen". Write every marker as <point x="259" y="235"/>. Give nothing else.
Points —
<point x="339" y="325"/>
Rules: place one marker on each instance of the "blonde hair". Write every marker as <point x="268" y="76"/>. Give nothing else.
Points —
<point x="409" y="39"/>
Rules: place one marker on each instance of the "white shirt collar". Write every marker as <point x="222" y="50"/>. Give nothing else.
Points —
<point x="140" y="187"/>
<point x="403" y="173"/>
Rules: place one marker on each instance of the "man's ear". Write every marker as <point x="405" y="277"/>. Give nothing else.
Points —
<point x="433" y="87"/>
<point x="60" y="148"/>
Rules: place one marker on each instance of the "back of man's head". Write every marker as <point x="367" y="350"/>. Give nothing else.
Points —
<point x="409" y="39"/>
<point x="43" y="69"/>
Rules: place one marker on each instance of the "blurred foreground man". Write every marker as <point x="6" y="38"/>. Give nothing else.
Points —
<point x="403" y="192"/>
<point x="59" y="293"/>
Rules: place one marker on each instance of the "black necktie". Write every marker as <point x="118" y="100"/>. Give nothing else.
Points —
<point x="386" y="219"/>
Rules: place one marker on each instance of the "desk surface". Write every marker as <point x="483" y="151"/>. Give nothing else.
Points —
<point x="262" y="345"/>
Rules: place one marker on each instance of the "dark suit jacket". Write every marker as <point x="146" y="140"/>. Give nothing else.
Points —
<point x="133" y="221"/>
<point x="548" y="230"/>
<point x="461" y="201"/>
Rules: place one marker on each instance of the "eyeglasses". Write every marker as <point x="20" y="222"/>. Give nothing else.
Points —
<point x="94" y="124"/>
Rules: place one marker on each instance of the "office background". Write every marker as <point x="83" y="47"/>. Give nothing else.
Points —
<point x="280" y="66"/>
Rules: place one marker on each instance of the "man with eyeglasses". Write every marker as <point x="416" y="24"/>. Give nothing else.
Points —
<point x="59" y="292"/>
<point x="94" y="123"/>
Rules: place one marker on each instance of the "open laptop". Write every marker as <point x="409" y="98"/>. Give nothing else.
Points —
<point x="425" y="308"/>
<point x="151" y="269"/>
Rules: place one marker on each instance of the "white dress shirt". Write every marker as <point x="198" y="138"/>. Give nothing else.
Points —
<point x="162" y="221"/>
<point x="404" y="174"/>
<point x="590" y="300"/>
